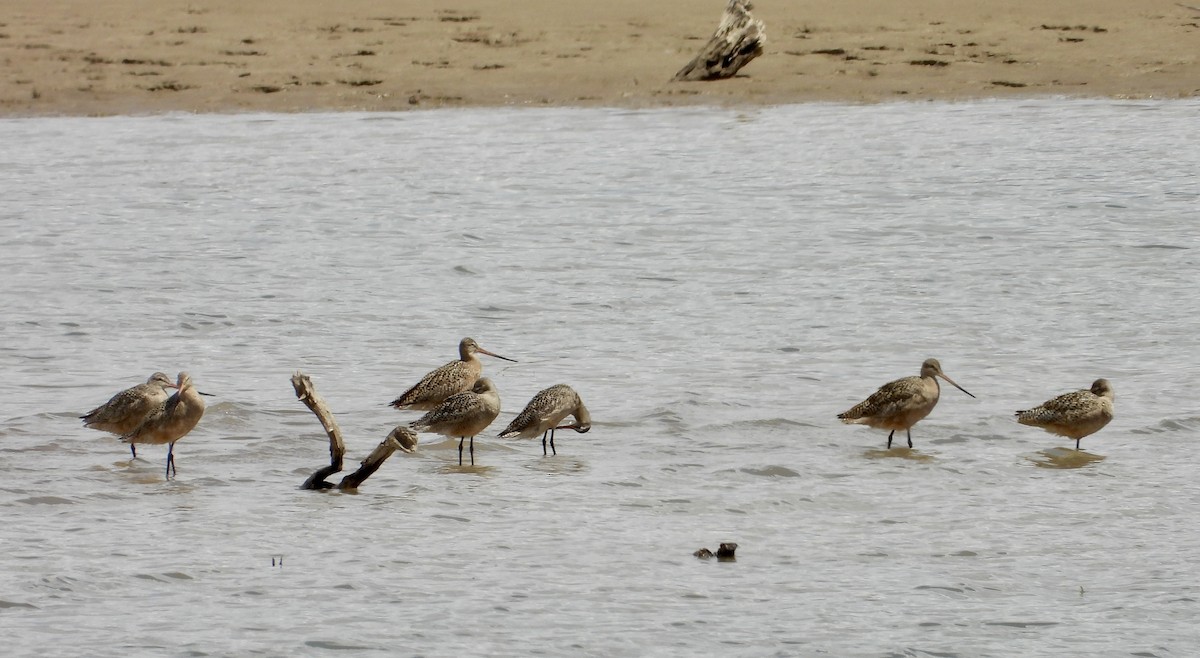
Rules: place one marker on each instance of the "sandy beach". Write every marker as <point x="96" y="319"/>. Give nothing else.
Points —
<point x="105" y="57"/>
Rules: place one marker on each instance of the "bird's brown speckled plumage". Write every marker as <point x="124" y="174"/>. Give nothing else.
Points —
<point x="545" y="411"/>
<point x="126" y="410"/>
<point x="171" y="420"/>
<point x="900" y="404"/>
<point x="1073" y="415"/>
<point x="463" y="415"/>
<point x="454" y="377"/>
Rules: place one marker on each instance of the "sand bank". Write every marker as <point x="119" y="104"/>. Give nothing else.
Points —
<point x="101" y="57"/>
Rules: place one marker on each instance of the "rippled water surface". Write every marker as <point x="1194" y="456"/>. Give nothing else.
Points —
<point x="717" y="285"/>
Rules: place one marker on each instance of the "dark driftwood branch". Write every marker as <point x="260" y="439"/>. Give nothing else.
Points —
<point x="738" y="39"/>
<point x="401" y="438"/>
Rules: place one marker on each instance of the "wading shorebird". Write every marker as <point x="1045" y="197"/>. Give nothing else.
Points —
<point x="126" y="410"/>
<point x="1073" y="415"/>
<point x="171" y="420"/>
<point x="544" y="413"/>
<point x="463" y="415"/>
<point x="454" y="377"/>
<point x="900" y="404"/>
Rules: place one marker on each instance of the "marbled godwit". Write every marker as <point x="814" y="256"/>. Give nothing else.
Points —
<point x="454" y="377"/>
<point x="544" y="413"/>
<point x="463" y="415"/>
<point x="900" y="404"/>
<point x="171" y="420"/>
<point x="1073" y="415"/>
<point x="126" y="410"/>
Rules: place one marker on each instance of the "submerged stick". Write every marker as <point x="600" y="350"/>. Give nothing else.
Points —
<point x="738" y="39"/>
<point x="400" y="438"/>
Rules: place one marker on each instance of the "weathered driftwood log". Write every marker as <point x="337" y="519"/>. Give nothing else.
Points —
<point x="307" y="394"/>
<point x="738" y="39"/>
<point x="400" y="438"/>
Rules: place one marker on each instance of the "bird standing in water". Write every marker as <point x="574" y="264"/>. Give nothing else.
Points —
<point x="171" y="420"/>
<point x="454" y="377"/>
<point x="126" y="410"/>
<point x="463" y="415"/>
<point x="544" y="413"/>
<point x="1073" y="415"/>
<point x="898" y="405"/>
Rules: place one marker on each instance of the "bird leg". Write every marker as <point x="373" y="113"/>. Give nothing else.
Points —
<point x="552" y="441"/>
<point x="171" y="460"/>
<point x="1077" y="444"/>
<point x="544" y="442"/>
<point x="460" y="442"/>
<point x="909" y="433"/>
<point x="890" y="439"/>
<point x="133" y="449"/>
<point x="472" y="451"/>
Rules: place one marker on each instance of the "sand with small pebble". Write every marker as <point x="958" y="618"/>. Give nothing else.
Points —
<point x="105" y="57"/>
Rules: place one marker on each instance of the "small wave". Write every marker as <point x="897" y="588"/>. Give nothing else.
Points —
<point x="336" y="646"/>
<point x="46" y="500"/>
<point x="944" y="588"/>
<point x="665" y="416"/>
<point x="758" y="424"/>
<point x="15" y="604"/>
<point x="771" y="472"/>
<point x="1191" y="423"/>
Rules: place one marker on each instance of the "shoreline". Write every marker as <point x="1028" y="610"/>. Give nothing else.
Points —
<point x="137" y="57"/>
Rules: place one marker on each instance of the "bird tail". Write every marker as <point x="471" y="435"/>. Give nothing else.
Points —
<point x="1028" y="416"/>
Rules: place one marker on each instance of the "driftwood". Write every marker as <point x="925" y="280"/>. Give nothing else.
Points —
<point x="738" y="39"/>
<point x="400" y="438"/>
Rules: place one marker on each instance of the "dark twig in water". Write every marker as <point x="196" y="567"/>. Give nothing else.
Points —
<point x="725" y="553"/>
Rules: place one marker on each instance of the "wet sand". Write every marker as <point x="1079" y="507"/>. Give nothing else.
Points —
<point x="104" y="57"/>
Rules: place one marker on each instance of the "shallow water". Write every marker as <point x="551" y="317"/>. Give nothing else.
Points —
<point x="716" y="284"/>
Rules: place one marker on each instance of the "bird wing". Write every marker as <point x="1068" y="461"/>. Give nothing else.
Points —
<point x="452" y="408"/>
<point x="1062" y="408"/>
<point x="153" y="420"/>
<point x="891" y="398"/>
<point x="139" y="399"/>
<point x="435" y="385"/>
<point x="548" y="407"/>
